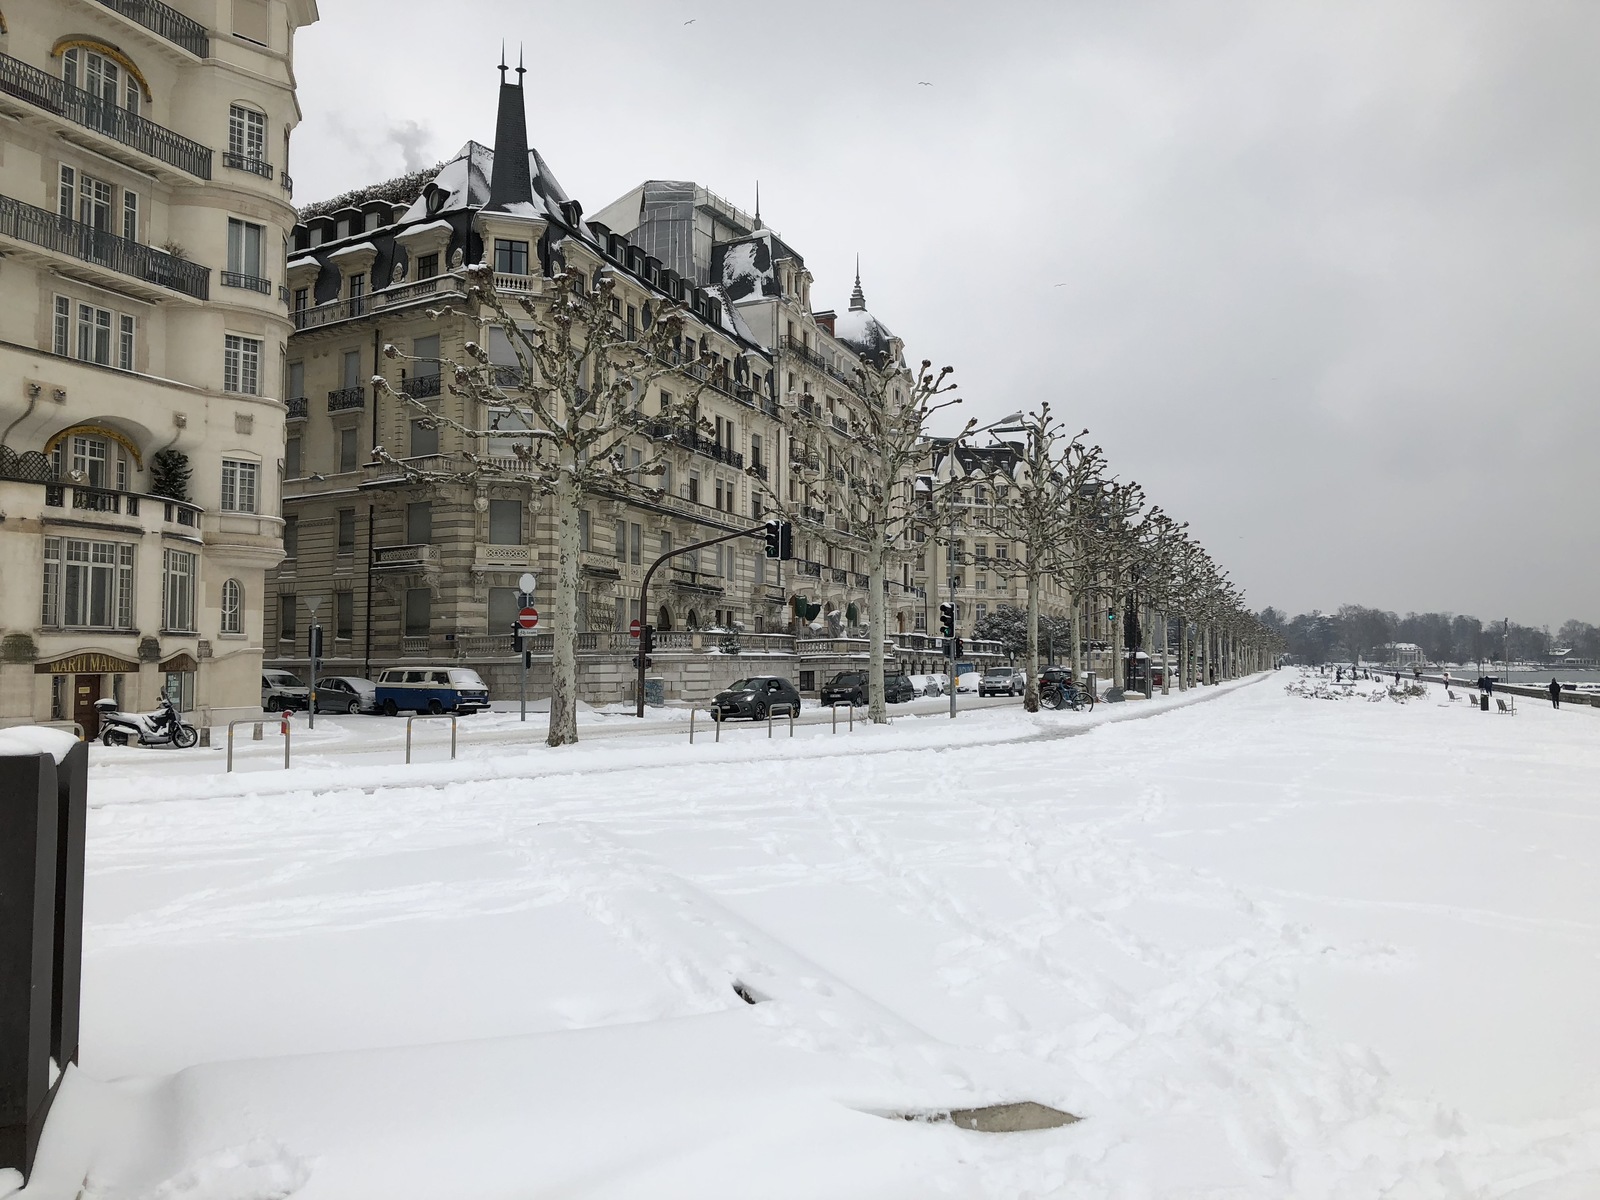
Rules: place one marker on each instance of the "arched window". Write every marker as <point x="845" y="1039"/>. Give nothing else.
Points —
<point x="232" y="607"/>
<point x="109" y="79"/>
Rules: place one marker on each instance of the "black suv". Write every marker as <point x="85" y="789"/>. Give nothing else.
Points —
<point x="755" y="697"/>
<point x="851" y="687"/>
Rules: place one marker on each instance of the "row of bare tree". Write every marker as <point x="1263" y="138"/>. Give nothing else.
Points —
<point x="575" y="398"/>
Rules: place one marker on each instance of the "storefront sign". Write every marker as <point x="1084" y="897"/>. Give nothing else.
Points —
<point x="88" y="663"/>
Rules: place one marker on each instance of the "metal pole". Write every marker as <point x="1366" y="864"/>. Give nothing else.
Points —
<point x="644" y="600"/>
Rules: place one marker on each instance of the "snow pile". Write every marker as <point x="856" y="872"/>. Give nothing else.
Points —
<point x="1264" y="949"/>
<point x="21" y="740"/>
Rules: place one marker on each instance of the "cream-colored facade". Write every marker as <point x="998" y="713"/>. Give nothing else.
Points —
<point x="145" y="205"/>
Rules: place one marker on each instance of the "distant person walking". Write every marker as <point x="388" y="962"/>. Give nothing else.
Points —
<point x="1397" y="679"/>
<point x="1555" y="693"/>
<point x="1447" y="680"/>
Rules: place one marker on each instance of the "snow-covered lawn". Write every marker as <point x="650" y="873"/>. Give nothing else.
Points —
<point x="1264" y="945"/>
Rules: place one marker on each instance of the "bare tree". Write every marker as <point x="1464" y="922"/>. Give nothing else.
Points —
<point x="1035" y="487"/>
<point x="572" y="401"/>
<point x="876" y="496"/>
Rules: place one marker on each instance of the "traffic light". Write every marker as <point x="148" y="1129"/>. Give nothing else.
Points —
<point x="957" y="653"/>
<point x="648" y="662"/>
<point x="516" y="636"/>
<point x="947" y="619"/>
<point x="1111" y="615"/>
<point x="647" y="639"/>
<point x="780" y="540"/>
<point x="316" y="641"/>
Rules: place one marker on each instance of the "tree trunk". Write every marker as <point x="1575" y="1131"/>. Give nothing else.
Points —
<point x="877" y="618"/>
<point x="1166" y="665"/>
<point x="1077" y="638"/>
<point x="564" y="635"/>
<point x="1030" y="694"/>
<point x="1115" y="640"/>
<point x="1183" y="654"/>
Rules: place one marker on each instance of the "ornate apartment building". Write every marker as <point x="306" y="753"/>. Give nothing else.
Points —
<point x="144" y="211"/>
<point x="965" y="550"/>
<point x="406" y="562"/>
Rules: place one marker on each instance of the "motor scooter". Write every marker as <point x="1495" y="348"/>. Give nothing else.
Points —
<point x="164" y="727"/>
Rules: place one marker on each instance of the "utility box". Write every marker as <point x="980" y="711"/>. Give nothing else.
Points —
<point x="655" y="692"/>
<point x="43" y="812"/>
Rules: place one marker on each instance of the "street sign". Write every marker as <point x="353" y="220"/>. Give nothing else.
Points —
<point x="528" y="618"/>
<point x="527" y="583"/>
<point x="633" y="627"/>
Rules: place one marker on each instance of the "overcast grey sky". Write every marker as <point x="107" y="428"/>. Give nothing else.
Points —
<point x="1322" y="277"/>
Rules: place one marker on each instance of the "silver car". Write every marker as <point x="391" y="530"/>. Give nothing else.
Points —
<point x="346" y="694"/>
<point x="282" y="690"/>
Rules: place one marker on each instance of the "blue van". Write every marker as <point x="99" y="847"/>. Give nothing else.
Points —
<point x="431" y="690"/>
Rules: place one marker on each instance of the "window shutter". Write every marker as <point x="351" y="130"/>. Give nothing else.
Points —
<point x="250" y="21"/>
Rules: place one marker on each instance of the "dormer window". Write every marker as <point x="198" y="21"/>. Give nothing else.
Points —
<point x="510" y="257"/>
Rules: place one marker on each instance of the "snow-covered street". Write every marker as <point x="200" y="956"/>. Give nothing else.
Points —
<point x="1263" y="945"/>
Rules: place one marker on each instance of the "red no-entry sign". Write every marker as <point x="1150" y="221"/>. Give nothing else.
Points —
<point x="528" y="618"/>
<point x="633" y="628"/>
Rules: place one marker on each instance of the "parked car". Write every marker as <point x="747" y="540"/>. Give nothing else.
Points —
<point x="431" y="689"/>
<point x="283" y="691"/>
<point x="1003" y="681"/>
<point x="346" y="694"/>
<point x="926" y="685"/>
<point x="852" y="687"/>
<point x="755" y="698"/>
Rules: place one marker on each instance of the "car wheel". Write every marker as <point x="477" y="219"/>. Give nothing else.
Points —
<point x="353" y="707"/>
<point x="434" y="707"/>
<point x="758" y="711"/>
<point x="273" y="704"/>
<point x="391" y="709"/>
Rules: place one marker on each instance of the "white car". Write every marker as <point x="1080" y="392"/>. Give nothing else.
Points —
<point x="927" y="685"/>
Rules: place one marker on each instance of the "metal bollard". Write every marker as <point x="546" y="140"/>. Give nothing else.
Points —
<point x="714" y="720"/>
<point x="451" y="717"/>
<point x="255" y="734"/>
<point x="788" y="709"/>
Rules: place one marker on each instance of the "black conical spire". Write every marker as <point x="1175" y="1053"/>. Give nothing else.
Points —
<point x="511" y="183"/>
<point x="858" y="301"/>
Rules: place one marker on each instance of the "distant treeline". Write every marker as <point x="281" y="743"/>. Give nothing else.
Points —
<point x="1356" y="632"/>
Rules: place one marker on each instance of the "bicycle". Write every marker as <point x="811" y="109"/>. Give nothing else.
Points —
<point x="1066" y="695"/>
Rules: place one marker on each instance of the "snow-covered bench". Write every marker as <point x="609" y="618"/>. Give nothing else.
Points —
<point x="1502" y="706"/>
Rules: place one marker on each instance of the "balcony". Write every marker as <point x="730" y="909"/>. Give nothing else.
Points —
<point x="286" y="183"/>
<point x="759" y="470"/>
<point x="697" y="581"/>
<point x="252" y="163"/>
<point x="299" y="408"/>
<point x="422" y="387"/>
<point x="39" y="227"/>
<point x="839" y="423"/>
<point x="838" y="576"/>
<point x="344" y="399"/>
<point x="328" y="314"/>
<point x="814" y="516"/>
<point x="166" y="22"/>
<point x="251" y="283"/>
<point x="85" y="109"/>
<point x="397" y="558"/>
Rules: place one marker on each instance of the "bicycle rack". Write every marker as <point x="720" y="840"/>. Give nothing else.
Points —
<point x="414" y="717"/>
<point x="715" y="720"/>
<point x="850" y="708"/>
<point x="791" y="709"/>
<point x="284" y="725"/>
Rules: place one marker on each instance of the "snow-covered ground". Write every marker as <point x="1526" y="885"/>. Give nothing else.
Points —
<point x="1265" y="945"/>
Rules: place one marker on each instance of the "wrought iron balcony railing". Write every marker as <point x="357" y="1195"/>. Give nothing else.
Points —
<point x="26" y="82"/>
<point x="167" y="22"/>
<point x="299" y="406"/>
<point x="247" y="162"/>
<point x="40" y="227"/>
<point x="347" y="398"/>
<point x="252" y="283"/>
